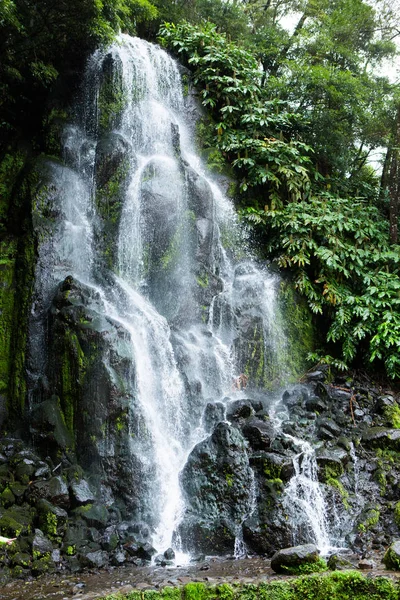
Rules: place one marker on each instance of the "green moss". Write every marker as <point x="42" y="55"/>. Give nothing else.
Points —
<point x="317" y="566"/>
<point x="392" y="415"/>
<point x="340" y="585"/>
<point x="51" y="525"/>
<point x="391" y="560"/>
<point x="272" y="471"/>
<point x="111" y="102"/>
<point x="296" y="321"/>
<point x="229" y="479"/>
<point x="8" y="254"/>
<point x="397" y="514"/>
<point x="370" y="519"/>
<point x="333" y="482"/>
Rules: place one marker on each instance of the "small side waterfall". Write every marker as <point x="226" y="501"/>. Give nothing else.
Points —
<point x="304" y="499"/>
<point x="139" y="269"/>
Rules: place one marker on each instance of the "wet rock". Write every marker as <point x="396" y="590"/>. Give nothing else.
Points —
<point x="7" y="498"/>
<point x="96" y="559"/>
<point x="331" y="462"/>
<point x="214" y="413"/>
<point x="143" y="551"/>
<point x="217" y="485"/>
<point x="383" y="403"/>
<point x="366" y="565"/>
<point x="328" y="429"/>
<point x="318" y="375"/>
<point x="43" y="565"/>
<point x="294" y="557"/>
<point x="392" y="556"/>
<point x="42" y="472"/>
<point x="169" y="554"/>
<point x="52" y="519"/>
<point x="81" y="492"/>
<point x="119" y="557"/>
<point x="41" y="545"/>
<point x="381" y="437"/>
<point x="339" y="563"/>
<point x="239" y="409"/>
<point x="146" y="551"/>
<point x="54" y="490"/>
<point x="267" y="464"/>
<point x="316" y="404"/>
<point x="296" y="397"/>
<point x="110" y="539"/>
<point x="95" y="515"/>
<point x="21" y="559"/>
<point x="258" y="433"/>
<point x="48" y="424"/>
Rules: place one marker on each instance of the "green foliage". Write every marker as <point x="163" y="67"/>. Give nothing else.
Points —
<point x="250" y="130"/>
<point x="339" y="252"/>
<point x="299" y="136"/>
<point x="39" y="40"/>
<point x="339" y="585"/>
<point x="317" y="566"/>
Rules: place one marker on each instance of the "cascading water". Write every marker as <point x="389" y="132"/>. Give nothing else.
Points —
<point x="149" y="240"/>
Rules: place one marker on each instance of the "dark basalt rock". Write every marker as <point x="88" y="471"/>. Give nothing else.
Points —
<point x="295" y="397"/>
<point x="392" y="556"/>
<point x="294" y="557"/>
<point x="217" y="484"/>
<point x="81" y="492"/>
<point x="316" y="404"/>
<point x="48" y="423"/>
<point x="95" y="559"/>
<point x="258" y="433"/>
<point x="41" y="545"/>
<point x="214" y="412"/>
<point x="169" y="554"/>
<point x="381" y="437"/>
<point x="95" y="515"/>
<point x="239" y="409"/>
<point x="339" y="563"/>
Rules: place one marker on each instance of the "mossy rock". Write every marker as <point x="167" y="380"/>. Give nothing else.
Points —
<point x="95" y="515"/>
<point x="392" y="557"/>
<point x="9" y="527"/>
<point x="7" y="498"/>
<point x="43" y="565"/>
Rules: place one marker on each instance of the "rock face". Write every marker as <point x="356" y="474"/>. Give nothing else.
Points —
<point x="286" y="559"/>
<point x="217" y="481"/>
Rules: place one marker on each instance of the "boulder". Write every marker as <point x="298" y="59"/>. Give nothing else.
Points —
<point x="217" y="483"/>
<point x="214" y="413"/>
<point x="293" y="557"/>
<point x="95" y="559"/>
<point x="41" y="545"/>
<point x="392" y="556"/>
<point x="81" y="492"/>
<point x="239" y="409"/>
<point x="258" y="433"/>
<point x="381" y="437"/>
<point x="95" y="515"/>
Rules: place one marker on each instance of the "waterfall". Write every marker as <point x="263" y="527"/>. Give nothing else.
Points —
<point x="177" y="312"/>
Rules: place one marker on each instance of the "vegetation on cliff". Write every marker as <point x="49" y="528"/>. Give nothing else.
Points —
<point x="299" y="133"/>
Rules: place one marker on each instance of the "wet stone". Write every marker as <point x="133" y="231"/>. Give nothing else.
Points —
<point x="294" y="557"/>
<point x="81" y="492"/>
<point x="169" y="554"/>
<point x="41" y="544"/>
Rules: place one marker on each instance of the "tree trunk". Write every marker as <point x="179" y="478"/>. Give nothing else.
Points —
<point x="394" y="182"/>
